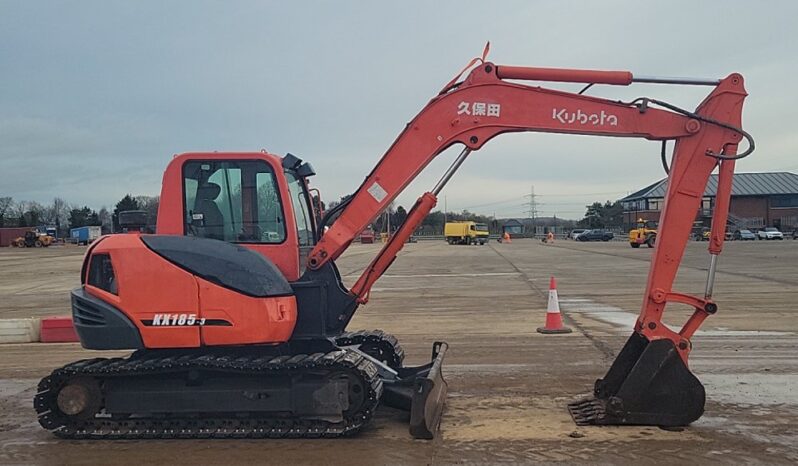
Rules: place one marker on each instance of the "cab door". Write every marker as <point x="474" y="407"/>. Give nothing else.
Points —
<point x="303" y="217"/>
<point x="241" y="199"/>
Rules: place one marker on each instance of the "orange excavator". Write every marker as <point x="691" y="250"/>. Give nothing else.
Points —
<point x="237" y="314"/>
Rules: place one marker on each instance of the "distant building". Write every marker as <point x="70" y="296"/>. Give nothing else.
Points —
<point x="757" y="200"/>
<point x="513" y="227"/>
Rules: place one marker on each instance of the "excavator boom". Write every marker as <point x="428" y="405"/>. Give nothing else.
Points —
<point x="480" y="108"/>
<point x="649" y="382"/>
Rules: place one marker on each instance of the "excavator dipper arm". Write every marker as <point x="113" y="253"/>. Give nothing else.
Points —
<point x="649" y="383"/>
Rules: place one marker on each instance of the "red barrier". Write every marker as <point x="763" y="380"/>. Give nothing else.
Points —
<point x="58" y="330"/>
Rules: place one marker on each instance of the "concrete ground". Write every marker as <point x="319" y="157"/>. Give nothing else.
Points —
<point x="508" y="385"/>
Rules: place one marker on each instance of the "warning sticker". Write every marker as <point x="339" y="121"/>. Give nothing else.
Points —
<point x="377" y="192"/>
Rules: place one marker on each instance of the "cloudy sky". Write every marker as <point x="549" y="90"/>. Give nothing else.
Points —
<point x="96" y="96"/>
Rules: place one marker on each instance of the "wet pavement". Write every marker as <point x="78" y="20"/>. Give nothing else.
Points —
<point x="508" y="385"/>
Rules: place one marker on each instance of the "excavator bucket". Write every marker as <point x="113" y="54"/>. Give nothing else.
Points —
<point x="648" y="384"/>
<point x="421" y="391"/>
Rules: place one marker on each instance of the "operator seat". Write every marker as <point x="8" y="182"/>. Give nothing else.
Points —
<point x="213" y="220"/>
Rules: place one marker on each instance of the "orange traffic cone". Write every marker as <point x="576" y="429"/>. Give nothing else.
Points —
<point x="507" y="238"/>
<point x="553" y="317"/>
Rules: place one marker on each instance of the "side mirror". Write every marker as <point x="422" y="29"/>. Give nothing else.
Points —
<point x="315" y="198"/>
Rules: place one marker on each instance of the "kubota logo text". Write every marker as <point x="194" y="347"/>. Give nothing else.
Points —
<point x="579" y="117"/>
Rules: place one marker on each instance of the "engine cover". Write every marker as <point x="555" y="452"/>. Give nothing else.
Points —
<point x="181" y="292"/>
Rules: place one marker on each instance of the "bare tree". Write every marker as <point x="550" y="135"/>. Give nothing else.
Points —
<point x="18" y="210"/>
<point x="28" y="213"/>
<point x="6" y="203"/>
<point x="105" y="220"/>
<point x="54" y="214"/>
<point x="58" y="214"/>
<point x="150" y="205"/>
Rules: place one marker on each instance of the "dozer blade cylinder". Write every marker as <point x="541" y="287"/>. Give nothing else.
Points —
<point x="648" y="384"/>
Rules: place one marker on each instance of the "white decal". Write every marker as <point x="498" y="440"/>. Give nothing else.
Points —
<point x="377" y="192"/>
<point x="596" y="119"/>
<point x="177" y="319"/>
<point x="479" y="109"/>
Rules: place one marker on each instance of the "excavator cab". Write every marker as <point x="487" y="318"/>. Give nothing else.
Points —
<point x="256" y="200"/>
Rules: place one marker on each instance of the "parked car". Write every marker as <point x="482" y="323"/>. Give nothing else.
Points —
<point x="795" y="234"/>
<point x="707" y="234"/>
<point x="575" y="232"/>
<point x="770" y="233"/>
<point x="367" y="236"/>
<point x="744" y="235"/>
<point x="595" y="235"/>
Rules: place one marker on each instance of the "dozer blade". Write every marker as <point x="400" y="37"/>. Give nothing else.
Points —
<point x="648" y="384"/>
<point x="422" y="391"/>
<point x="429" y="397"/>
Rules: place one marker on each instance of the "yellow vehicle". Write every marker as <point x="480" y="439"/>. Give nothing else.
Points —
<point x="466" y="233"/>
<point x="33" y="240"/>
<point x="706" y="234"/>
<point x="645" y="233"/>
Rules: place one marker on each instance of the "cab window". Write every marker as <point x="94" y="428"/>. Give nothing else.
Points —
<point x="232" y="200"/>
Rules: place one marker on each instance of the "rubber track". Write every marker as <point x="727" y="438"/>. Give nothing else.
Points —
<point x="211" y="427"/>
<point x="387" y="346"/>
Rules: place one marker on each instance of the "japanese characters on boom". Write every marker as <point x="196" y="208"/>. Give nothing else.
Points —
<point x="479" y="109"/>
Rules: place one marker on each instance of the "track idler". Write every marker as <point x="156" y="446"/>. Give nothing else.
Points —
<point x="422" y="391"/>
<point x="648" y="384"/>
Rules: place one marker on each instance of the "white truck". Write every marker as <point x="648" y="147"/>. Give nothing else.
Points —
<point x="85" y="235"/>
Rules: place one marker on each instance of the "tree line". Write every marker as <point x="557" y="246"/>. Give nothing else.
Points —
<point x="63" y="215"/>
<point x="608" y="214"/>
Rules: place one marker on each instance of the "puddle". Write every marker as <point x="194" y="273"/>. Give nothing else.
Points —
<point x="14" y="387"/>
<point x="764" y="433"/>
<point x="625" y="320"/>
<point x="752" y="389"/>
<point x="721" y="332"/>
<point x="619" y="318"/>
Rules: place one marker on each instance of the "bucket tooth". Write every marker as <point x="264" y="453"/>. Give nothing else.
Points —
<point x="648" y="384"/>
<point x="586" y="412"/>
